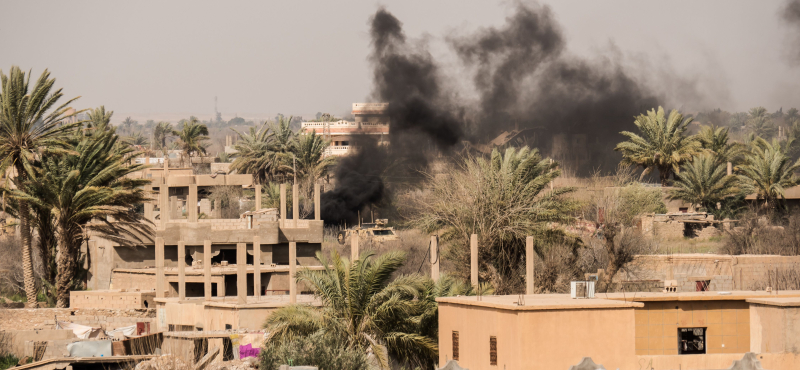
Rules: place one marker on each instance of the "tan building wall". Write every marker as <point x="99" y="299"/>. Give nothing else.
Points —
<point x="113" y="299"/>
<point x="541" y="339"/>
<point x="727" y="323"/>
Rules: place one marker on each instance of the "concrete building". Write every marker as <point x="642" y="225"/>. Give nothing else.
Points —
<point x="370" y="119"/>
<point x="699" y="330"/>
<point x="206" y="271"/>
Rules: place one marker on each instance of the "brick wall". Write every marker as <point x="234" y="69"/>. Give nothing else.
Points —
<point x="44" y="318"/>
<point x="133" y="280"/>
<point x="113" y="299"/>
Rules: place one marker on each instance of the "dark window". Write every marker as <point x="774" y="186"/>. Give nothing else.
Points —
<point x="455" y="345"/>
<point x="492" y="350"/>
<point x="382" y="232"/>
<point x="702" y="285"/>
<point x="691" y="341"/>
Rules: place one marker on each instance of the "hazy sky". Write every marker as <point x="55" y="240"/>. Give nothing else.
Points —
<point x="168" y="59"/>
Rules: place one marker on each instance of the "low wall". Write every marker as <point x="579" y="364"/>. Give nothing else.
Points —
<point x="19" y="338"/>
<point x="112" y="299"/>
<point x="725" y="272"/>
<point x="45" y="318"/>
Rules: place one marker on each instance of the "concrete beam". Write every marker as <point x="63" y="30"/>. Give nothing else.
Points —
<point x="257" y="266"/>
<point x="317" y="205"/>
<point x="295" y="204"/>
<point x="353" y="247"/>
<point x="207" y="269"/>
<point x="473" y="259"/>
<point x="283" y="205"/>
<point x="292" y="272"/>
<point x="181" y="270"/>
<point x="241" y="273"/>
<point x="529" y="254"/>
<point x="160" y="278"/>
<point x="257" y="189"/>
<point x="435" y="257"/>
<point x="191" y="203"/>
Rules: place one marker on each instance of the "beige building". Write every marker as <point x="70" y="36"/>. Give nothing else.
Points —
<point x="701" y="330"/>
<point x="370" y="119"/>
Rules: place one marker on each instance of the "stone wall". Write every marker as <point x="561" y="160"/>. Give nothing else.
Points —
<point x="724" y="272"/>
<point x="113" y="299"/>
<point x="131" y="280"/>
<point x="45" y="318"/>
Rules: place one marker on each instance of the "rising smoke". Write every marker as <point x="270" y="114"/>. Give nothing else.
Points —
<point x="791" y="15"/>
<point x="571" y="108"/>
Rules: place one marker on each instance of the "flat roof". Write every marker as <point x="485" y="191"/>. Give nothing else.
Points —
<point x="268" y="301"/>
<point x="780" y="302"/>
<point x="736" y="295"/>
<point x="534" y="302"/>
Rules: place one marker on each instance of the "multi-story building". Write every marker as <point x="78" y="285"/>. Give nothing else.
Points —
<point x="370" y="119"/>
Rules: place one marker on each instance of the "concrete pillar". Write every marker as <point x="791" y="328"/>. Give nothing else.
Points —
<point x="257" y="189"/>
<point x="295" y="204"/>
<point x="207" y="269"/>
<point x="173" y="207"/>
<point x="191" y="204"/>
<point x="434" y="257"/>
<point x="241" y="273"/>
<point x="257" y="266"/>
<point x="181" y="270"/>
<point x="730" y="168"/>
<point x="166" y="168"/>
<point x="292" y="272"/>
<point x="317" y="204"/>
<point x="473" y="259"/>
<point x="529" y="254"/>
<point x="148" y="206"/>
<point x="283" y="205"/>
<point x="353" y="247"/>
<point x="163" y="204"/>
<point x="160" y="279"/>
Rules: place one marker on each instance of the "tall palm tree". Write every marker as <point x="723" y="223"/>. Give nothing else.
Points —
<point x="137" y="139"/>
<point x="284" y="136"/>
<point x="715" y="139"/>
<point x="127" y="124"/>
<point x="760" y="123"/>
<point x="704" y="181"/>
<point x="191" y="138"/>
<point x="84" y="191"/>
<point x="768" y="171"/>
<point x="256" y="154"/>
<point x="309" y="151"/>
<point x="31" y="123"/>
<point x="362" y="306"/>
<point x="662" y="144"/>
<point x="99" y="118"/>
<point x="161" y="133"/>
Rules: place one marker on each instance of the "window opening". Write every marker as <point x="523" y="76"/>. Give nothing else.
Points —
<point x="492" y="350"/>
<point x="455" y="345"/>
<point x="691" y="341"/>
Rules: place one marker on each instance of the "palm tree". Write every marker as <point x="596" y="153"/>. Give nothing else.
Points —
<point x="760" y="123"/>
<point x="84" y="190"/>
<point x="768" y="171"/>
<point x="256" y="154"/>
<point x="161" y="133"/>
<point x="284" y="136"/>
<point x="309" y="151"/>
<point x="191" y="138"/>
<point x="715" y="139"/>
<point x="99" y="118"/>
<point x="704" y="181"/>
<point x="127" y="124"/>
<point x="503" y="199"/>
<point x="30" y="124"/>
<point x="662" y="144"/>
<point x="137" y="139"/>
<point x="363" y="307"/>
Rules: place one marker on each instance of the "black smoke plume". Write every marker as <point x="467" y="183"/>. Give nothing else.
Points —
<point x="791" y="15"/>
<point x="525" y="80"/>
<point x="421" y="121"/>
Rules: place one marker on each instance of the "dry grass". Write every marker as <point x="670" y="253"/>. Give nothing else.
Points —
<point x="413" y="242"/>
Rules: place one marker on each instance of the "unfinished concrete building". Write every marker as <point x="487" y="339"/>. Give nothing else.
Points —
<point x="238" y="268"/>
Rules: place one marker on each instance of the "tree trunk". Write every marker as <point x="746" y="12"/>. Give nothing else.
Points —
<point x="663" y="175"/>
<point x="65" y="263"/>
<point x="610" y="233"/>
<point x="27" y="262"/>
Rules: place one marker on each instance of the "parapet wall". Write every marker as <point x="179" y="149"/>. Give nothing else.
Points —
<point x="724" y="272"/>
<point x="45" y="318"/>
<point x="113" y="299"/>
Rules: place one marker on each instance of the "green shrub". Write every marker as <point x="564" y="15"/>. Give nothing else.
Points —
<point x="8" y="361"/>
<point x="318" y="349"/>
